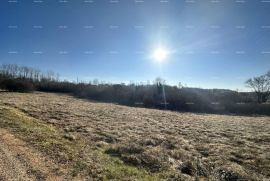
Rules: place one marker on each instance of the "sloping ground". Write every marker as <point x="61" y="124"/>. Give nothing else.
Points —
<point x="73" y="159"/>
<point x="160" y="144"/>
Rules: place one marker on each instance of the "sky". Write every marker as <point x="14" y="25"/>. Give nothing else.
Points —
<point x="209" y="43"/>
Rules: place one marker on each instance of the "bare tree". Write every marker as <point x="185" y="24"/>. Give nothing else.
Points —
<point x="37" y="75"/>
<point x="261" y="86"/>
<point x="50" y="75"/>
<point x="159" y="81"/>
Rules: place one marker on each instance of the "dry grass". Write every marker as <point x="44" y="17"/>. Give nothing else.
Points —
<point x="161" y="144"/>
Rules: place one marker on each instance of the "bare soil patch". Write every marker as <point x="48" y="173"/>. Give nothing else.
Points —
<point x="21" y="162"/>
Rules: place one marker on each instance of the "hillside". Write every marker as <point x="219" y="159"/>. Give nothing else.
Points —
<point x="101" y="141"/>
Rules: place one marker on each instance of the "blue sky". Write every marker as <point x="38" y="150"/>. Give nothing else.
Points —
<point x="211" y="43"/>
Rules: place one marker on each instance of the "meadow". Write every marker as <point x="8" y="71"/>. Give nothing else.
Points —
<point x="90" y="140"/>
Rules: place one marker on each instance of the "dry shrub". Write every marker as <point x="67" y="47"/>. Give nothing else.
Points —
<point x="152" y="141"/>
<point x="131" y="148"/>
<point x="152" y="158"/>
<point x="232" y="172"/>
<point x="194" y="168"/>
<point x="187" y="168"/>
<point x="179" y="154"/>
<point x="155" y="159"/>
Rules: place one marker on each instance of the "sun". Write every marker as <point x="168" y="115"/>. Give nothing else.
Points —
<point x="160" y="54"/>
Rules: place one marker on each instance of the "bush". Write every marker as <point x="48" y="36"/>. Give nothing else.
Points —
<point x="155" y="159"/>
<point x="17" y="85"/>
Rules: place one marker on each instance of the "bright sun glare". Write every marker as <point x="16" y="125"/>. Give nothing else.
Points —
<point x="160" y="54"/>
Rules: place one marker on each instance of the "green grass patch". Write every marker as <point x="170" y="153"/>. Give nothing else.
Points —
<point x="116" y="169"/>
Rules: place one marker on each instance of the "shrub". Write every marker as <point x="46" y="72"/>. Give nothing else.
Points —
<point x="155" y="159"/>
<point x="17" y="85"/>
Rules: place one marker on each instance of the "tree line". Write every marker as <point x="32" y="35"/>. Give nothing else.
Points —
<point x="151" y="95"/>
<point x="24" y="72"/>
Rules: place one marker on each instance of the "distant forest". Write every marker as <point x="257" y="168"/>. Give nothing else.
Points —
<point x="156" y="95"/>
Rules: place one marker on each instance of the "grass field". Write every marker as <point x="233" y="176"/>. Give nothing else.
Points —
<point x="100" y="141"/>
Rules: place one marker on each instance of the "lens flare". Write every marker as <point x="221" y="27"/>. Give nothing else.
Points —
<point x="160" y="54"/>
